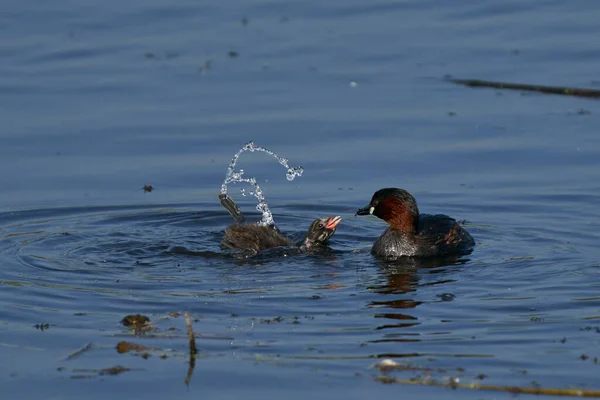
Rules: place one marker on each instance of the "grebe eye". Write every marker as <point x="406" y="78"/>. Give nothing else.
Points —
<point x="321" y="225"/>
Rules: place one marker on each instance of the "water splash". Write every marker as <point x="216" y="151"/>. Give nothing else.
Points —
<point x="234" y="176"/>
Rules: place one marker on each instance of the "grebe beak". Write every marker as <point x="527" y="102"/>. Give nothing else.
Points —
<point x="333" y="222"/>
<point x="365" y="211"/>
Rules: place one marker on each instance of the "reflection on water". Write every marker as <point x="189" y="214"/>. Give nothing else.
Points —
<point x="402" y="278"/>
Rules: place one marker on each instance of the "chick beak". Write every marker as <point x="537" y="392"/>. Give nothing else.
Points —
<point x="333" y="222"/>
<point x="365" y="210"/>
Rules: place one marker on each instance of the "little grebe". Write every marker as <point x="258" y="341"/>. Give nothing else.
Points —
<point x="412" y="234"/>
<point x="255" y="237"/>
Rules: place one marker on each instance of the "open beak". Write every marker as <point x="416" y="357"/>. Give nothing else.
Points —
<point x="365" y="210"/>
<point x="333" y="222"/>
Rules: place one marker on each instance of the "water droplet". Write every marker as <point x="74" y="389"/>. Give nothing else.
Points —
<point x="234" y="176"/>
<point x="292" y="173"/>
<point x="249" y="146"/>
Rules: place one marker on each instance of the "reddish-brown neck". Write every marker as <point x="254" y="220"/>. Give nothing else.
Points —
<point x="398" y="215"/>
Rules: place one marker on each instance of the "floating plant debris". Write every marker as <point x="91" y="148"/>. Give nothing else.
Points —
<point x="135" y="321"/>
<point x="124" y="347"/>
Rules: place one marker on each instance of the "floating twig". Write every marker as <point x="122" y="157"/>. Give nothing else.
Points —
<point x="560" y="90"/>
<point x="77" y="353"/>
<point x="116" y="370"/>
<point x="510" y="389"/>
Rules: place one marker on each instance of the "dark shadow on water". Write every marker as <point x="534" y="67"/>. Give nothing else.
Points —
<point x="184" y="251"/>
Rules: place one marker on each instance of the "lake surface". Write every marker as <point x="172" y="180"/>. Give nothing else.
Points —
<point x="99" y="99"/>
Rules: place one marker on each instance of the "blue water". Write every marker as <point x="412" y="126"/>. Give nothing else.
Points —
<point x="99" y="99"/>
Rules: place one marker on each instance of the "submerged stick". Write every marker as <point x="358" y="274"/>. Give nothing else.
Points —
<point x="190" y="332"/>
<point x="193" y="349"/>
<point x="510" y="389"/>
<point x="560" y="90"/>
